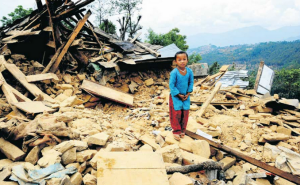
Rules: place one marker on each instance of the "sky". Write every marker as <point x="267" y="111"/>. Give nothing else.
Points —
<point x="203" y="16"/>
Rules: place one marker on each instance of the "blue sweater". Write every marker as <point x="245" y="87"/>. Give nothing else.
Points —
<point x="180" y="84"/>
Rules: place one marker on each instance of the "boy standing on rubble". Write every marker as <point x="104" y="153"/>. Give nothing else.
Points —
<point x="181" y="85"/>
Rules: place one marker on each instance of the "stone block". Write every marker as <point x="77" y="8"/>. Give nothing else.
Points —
<point x="4" y="174"/>
<point x="228" y="162"/>
<point x="201" y="148"/>
<point x="85" y="155"/>
<point x="11" y="151"/>
<point x="180" y="179"/>
<point x="76" y="179"/>
<point x="171" y="154"/>
<point x="189" y="158"/>
<point x="284" y="130"/>
<point x="89" y="179"/>
<point x="146" y="148"/>
<point x="98" y="139"/>
<point x="69" y="156"/>
<point x="33" y="155"/>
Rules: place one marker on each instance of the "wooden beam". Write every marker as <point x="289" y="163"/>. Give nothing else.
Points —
<point x="209" y="99"/>
<point x="156" y="54"/>
<point x="106" y="92"/>
<point x="137" y="36"/>
<point x="19" y="95"/>
<point x="51" y="25"/>
<point x="53" y="59"/>
<point x="251" y="160"/>
<point x="73" y="10"/>
<point x="90" y="26"/>
<point x="70" y="41"/>
<point x="39" y="5"/>
<point x="41" y="77"/>
<point x="33" y="89"/>
<point x="259" y="72"/>
<point x="10" y="97"/>
<point x="33" y="21"/>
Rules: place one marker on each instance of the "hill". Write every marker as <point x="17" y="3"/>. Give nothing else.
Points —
<point x="276" y="54"/>
<point x="247" y="35"/>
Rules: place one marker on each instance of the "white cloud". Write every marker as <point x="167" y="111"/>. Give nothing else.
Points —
<point x="196" y="16"/>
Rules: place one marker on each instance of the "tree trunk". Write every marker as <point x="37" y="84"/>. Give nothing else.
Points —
<point x="208" y="165"/>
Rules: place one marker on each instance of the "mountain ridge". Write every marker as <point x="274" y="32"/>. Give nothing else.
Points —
<point x="246" y="35"/>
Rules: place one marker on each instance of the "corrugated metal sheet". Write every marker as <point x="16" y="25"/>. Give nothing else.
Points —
<point x="232" y="78"/>
<point x="266" y="80"/>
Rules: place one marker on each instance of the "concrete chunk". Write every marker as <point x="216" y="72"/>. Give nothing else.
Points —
<point x="11" y="151"/>
<point x="98" y="139"/>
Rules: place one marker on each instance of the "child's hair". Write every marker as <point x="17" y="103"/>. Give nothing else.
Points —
<point x="181" y="52"/>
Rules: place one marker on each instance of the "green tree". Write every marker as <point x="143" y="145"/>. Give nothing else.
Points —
<point x="101" y="9"/>
<point x="232" y="67"/>
<point x="127" y="8"/>
<point x="194" y="58"/>
<point x="18" y="13"/>
<point x="287" y="83"/>
<point x="108" y="26"/>
<point x="171" y="37"/>
<point x="214" y="68"/>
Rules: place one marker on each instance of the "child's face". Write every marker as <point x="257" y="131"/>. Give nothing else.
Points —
<point x="181" y="60"/>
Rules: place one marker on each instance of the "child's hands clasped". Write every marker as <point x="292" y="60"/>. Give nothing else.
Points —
<point x="183" y="97"/>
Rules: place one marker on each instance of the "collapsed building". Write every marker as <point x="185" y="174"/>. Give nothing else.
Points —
<point x="79" y="106"/>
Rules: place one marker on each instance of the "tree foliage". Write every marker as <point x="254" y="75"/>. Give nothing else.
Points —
<point x="108" y="26"/>
<point x="19" y="12"/>
<point x="287" y="83"/>
<point x="171" y="37"/>
<point x="214" y="68"/>
<point x="101" y="9"/>
<point x="127" y="8"/>
<point x="194" y="58"/>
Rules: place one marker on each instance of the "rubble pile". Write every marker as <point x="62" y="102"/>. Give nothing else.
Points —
<point x="79" y="112"/>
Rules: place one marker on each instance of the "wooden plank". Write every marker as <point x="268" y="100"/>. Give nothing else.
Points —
<point x="259" y="72"/>
<point x="51" y="25"/>
<point x="132" y="176"/>
<point x="216" y="103"/>
<point x="73" y="10"/>
<point x="53" y="59"/>
<point x="21" y="33"/>
<point x="224" y="68"/>
<point x="41" y="77"/>
<point x="33" y="21"/>
<point x="33" y="89"/>
<point x="156" y="54"/>
<point x="71" y="39"/>
<point x="39" y="5"/>
<point x="209" y="99"/>
<point x="106" y="92"/>
<point x="19" y="95"/>
<point x="137" y="36"/>
<point x="10" y="97"/>
<point x="130" y="160"/>
<point x="247" y="158"/>
<point x="33" y="107"/>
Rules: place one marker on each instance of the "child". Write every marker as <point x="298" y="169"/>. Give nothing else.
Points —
<point x="181" y="85"/>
